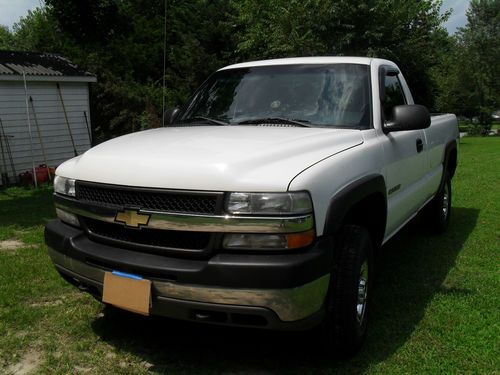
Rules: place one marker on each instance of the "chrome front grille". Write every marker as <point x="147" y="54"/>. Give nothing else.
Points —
<point x="149" y="199"/>
<point x="114" y="199"/>
<point x="149" y="239"/>
<point x="166" y="221"/>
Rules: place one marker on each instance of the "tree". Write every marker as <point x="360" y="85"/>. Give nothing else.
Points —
<point x="479" y="40"/>
<point x="406" y="31"/>
<point x="6" y="38"/>
<point x="468" y="75"/>
<point x="121" y="41"/>
<point x="453" y="92"/>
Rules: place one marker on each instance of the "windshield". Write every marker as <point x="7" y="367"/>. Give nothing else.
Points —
<point x="322" y="95"/>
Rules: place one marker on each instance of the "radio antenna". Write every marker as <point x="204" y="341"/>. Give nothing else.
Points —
<point x="164" y="63"/>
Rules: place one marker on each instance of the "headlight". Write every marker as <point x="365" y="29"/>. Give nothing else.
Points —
<point x="284" y="206"/>
<point x="269" y="203"/>
<point x="67" y="217"/>
<point x="252" y="241"/>
<point x="65" y="186"/>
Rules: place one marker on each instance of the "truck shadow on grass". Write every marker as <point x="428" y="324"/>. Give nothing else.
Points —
<point x="411" y="270"/>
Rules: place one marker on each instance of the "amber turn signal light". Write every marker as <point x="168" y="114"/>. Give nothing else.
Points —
<point x="298" y="240"/>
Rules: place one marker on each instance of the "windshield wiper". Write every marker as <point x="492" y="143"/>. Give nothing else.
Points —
<point x="206" y="119"/>
<point x="276" y="120"/>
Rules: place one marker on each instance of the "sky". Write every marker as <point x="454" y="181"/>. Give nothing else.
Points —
<point x="458" y="17"/>
<point x="12" y="10"/>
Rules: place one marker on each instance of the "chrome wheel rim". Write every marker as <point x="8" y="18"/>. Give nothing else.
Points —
<point x="446" y="201"/>
<point x="362" y="291"/>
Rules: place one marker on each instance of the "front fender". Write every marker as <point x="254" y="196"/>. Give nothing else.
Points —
<point x="349" y="196"/>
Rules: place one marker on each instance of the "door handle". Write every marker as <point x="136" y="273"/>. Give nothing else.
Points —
<point x="420" y="145"/>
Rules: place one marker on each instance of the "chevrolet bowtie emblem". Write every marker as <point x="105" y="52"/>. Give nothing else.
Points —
<point x="132" y="219"/>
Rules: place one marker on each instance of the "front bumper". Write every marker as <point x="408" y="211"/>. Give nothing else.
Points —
<point x="279" y="291"/>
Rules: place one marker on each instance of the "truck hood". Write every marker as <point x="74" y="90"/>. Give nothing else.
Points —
<point x="217" y="158"/>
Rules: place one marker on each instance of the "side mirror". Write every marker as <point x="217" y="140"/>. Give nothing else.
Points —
<point x="408" y="117"/>
<point x="169" y="116"/>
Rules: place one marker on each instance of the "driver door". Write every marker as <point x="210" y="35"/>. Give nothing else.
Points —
<point x="405" y="165"/>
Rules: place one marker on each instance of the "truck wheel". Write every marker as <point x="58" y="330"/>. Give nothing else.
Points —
<point x="347" y="304"/>
<point x="437" y="213"/>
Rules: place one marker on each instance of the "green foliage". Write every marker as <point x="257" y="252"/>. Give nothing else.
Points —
<point x="121" y="41"/>
<point x="407" y="32"/>
<point x="469" y="74"/>
<point x="6" y="38"/>
<point x="480" y="40"/>
<point x="36" y="32"/>
<point x="33" y="32"/>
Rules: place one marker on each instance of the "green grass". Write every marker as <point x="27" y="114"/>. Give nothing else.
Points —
<point x="465" y="126"/>
<point x="436" y="306"/>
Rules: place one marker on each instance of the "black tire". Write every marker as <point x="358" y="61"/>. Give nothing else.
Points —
<point x="344" y="327"/>
<point x="438" y="211"/>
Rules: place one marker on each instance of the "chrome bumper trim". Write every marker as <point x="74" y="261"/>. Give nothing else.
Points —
<point x="200" y="223"/>
<point x="289" y="304"/>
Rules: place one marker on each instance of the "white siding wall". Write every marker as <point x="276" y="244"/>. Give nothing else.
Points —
<point x="50" y="116"/>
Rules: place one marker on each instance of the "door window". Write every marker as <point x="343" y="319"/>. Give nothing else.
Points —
<point x="393" y="96"/>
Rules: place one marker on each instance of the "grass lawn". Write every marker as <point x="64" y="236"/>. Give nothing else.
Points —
<point x="464" y="126"/>
<point x="436" y="310"/>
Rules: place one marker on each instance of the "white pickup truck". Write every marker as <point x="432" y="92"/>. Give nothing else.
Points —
<point x="261" y="201"/>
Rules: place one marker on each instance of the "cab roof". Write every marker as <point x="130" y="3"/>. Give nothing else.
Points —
<point x="304" y="60"/>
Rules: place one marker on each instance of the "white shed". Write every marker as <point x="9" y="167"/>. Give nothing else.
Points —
<point x="49" y="94"/>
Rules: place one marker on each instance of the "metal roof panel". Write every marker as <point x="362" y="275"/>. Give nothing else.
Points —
<point x="14" y="63"/>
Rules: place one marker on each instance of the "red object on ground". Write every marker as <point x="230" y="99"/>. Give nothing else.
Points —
<point x="26" y="178"/>
<point x="42" y="174"/>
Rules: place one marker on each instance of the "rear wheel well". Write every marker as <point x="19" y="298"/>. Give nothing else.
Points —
<point x="451" y="164"/>
<point x="370" y="213"/>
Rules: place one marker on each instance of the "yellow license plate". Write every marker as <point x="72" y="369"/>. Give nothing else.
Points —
<point x="128" y="292"/>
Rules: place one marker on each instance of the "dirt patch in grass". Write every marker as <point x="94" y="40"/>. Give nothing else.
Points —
<point x="30" y="361"/>
<point x="49" y="301"/>
<point x="11" y="245"/>
<point x="83" y="370"/>
<point x="56" y="302"/>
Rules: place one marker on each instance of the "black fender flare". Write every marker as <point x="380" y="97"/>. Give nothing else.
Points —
<point x="450" y="146"/>
<point x="353" y="193"/>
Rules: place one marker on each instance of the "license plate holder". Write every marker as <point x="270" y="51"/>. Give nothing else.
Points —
<point x="127" y="291"/>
